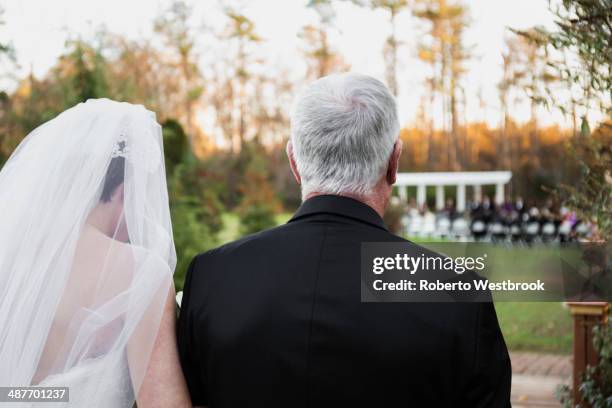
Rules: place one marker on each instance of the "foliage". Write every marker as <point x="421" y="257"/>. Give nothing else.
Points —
<point x="259" y="203"/>
<point x="194" y="226"/>
<point x="583" y="32"/>
<point x="190" y="221"/>
<point x="443" y="49"/>
<point x="480" y="148"/>
<point x="585" y="27"/>
<point x="199" y="181"/>
<point x="596" y="384"/>
<point x="321" y="57"/>
<point x="390" y="50"/>
<point x="282" y="179"/>
<point x="77" y="76"/>
<point x="205" y="180"/>
<point x="177" y="33"/>
<point x="7" y="50"/>
<point x="88" y="80"/>
<point x="591" y="196"/>
<point x="255" y="218"/>
<point x="176" y="145"/>
<point x="394" y="213"/>
<point x="195" y="210"/>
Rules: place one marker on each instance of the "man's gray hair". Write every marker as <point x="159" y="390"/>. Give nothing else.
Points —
<point x="343" y="129"/>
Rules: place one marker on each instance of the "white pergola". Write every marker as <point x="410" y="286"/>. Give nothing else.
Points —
<point x="460" y="179"/>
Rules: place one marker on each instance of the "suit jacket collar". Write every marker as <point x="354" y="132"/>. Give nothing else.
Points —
<point x="339" y="205"/>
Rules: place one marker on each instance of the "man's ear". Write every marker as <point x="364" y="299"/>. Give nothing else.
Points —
<point x="394" y="162"/>
<point x="294" y="168"/>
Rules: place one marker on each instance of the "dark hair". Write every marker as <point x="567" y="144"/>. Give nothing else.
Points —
<point x="114" y="177"/>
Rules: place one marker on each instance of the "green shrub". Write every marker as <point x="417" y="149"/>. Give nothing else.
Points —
<point x="259" y="202"/>
<point x="176" y="144"/>
<point x="191" y="235"/>
<point x="255" y="218"/>
<point x="196" y="218"/>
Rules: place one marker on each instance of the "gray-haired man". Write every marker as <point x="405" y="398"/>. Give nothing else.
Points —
<point x="276" y="319"/>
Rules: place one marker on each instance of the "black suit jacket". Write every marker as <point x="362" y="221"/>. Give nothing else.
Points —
<point x="276" y="320"/>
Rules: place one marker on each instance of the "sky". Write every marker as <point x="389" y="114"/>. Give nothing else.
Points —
<point x="38" y="30"/>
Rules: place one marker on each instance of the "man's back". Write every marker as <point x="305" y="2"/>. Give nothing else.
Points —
<point x="276" y="320"/>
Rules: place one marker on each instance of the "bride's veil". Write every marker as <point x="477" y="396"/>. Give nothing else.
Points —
<point x="83" y="279"/>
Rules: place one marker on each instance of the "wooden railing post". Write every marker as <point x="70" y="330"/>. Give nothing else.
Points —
<point x="586" y="316"/>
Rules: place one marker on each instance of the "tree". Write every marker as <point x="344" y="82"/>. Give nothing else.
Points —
<point x="429" y="51"/>
<point x="192" y="231"/>
<point x="583" y="43"/>
<point x="591" y="197"/>
<point x="141" y="74"/>
<point x="393" y="7"/>
<point x="444" y="51"/>
<point x="321" y="57"/>
<point x="242" y="29"/>
<point x="79" y="74"/>
<point x="532" y="75"/>
<point x="584" y="33"/>
<point x="458" y="55"/>
<point x="259" y="203"/>
<point x="194" y="198"/>
<point x="174" y="27"/>
<point x="7" y="51"/>
<point x="176" y="144"/>
<point x="233" y="80"/>
<point x="504" y="88"/>
<point x="88" y="78"/>
<point x="390" y="50"/>
<point x="584" y="30"/>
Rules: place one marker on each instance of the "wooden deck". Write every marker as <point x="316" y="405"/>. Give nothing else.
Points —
<point x="535" y="377"/>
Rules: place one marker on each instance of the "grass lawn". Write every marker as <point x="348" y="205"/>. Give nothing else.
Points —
<point x="231" y="228"/>
<point x="536" y="326"/>
<point x="528" y="326"/>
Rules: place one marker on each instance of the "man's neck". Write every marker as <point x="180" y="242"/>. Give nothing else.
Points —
<point x="374" y="201"/>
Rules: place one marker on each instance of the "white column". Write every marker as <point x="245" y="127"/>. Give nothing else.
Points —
<point x="402" y="193"/>
<point x="421" y="194"/>
<point x="439" y="197"/>
<point x="477" y="193"/>
<point x="461" y="197"/>
<point x="499" y="193"/>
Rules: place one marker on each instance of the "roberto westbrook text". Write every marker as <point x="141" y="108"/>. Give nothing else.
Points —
<point x="477" y="284"/>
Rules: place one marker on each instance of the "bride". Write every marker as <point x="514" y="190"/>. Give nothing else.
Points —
<point x="86" y="261"/>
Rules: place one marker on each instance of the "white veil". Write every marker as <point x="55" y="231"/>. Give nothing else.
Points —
<point x="83" y="281"/>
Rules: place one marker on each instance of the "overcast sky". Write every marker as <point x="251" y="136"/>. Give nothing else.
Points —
<point x="38" y="30"/>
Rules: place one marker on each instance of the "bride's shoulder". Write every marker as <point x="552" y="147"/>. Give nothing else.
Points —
<point x="103" y="244"/>
<point x="117" y="255"/>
